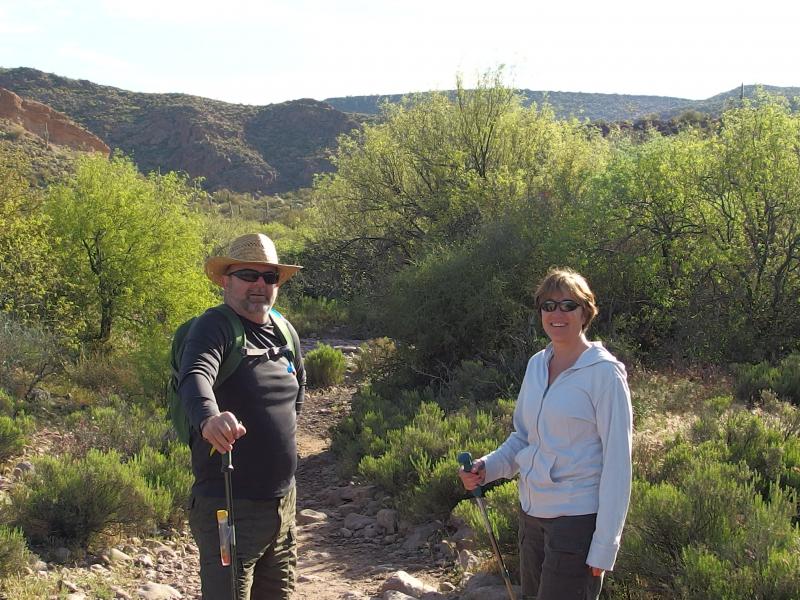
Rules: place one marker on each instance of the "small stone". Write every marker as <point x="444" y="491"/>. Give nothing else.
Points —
<point x="158" y="591"/>
<point x="307" y="516"/>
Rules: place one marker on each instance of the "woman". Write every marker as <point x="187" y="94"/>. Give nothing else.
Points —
<point x="571" y="446"/>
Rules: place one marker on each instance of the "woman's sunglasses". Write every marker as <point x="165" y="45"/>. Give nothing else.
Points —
<point x="564" y="305"/>
<point x="251" y="276"/>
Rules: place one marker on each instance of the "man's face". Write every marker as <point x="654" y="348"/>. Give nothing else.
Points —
<point x="250" y="300"/>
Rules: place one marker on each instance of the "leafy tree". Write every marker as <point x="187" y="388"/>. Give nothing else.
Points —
<point x="751" y="190"/>
<point x="25" y="271"/>
<point x="131" y="251"/>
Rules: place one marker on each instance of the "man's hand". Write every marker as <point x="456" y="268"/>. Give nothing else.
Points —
<point x="596" y="571"/>
<point x="474" y="478"/>
<point x="222" y="431"/>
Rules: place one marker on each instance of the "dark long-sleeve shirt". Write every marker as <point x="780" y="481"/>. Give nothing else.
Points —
<point x="264" y="394"/>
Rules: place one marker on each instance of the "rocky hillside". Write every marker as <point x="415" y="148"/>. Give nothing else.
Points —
<point x="595" y="107"/>
<point x="258" y="149"/>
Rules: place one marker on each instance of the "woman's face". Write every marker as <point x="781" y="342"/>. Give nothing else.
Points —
<point x="565" y="322"/>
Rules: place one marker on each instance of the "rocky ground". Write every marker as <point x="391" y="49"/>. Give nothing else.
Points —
<point x="351" y="545"/>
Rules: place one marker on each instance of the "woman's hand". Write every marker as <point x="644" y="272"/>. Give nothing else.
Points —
<point x="597" y="571"/>
<point x="475" y="477"/>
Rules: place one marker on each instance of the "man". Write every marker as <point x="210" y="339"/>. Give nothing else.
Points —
<point x="252" y="413"/>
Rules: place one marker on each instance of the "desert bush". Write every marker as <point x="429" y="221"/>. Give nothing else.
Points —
<point x="104" y="372"/>
<point x="704" y="522"/>
<point x="376" y="358"/>
<point x="75" y="500"/>
<point x="7" y="403"/>
<point x="325" y="366"/>
<point x="28" y="354"/>
<point x="120" y="426"/>
<point x="14" y="553"/>
<point x="170" y="472"/>
<point x="475" y="383"/>
<point x="783" y="379"/>
<point x="314" y="315"/>
<point x="13" y="435"/>
<point x="363" y="432"/>
<point x="418" y="466"/>
<point x="503" y="516"/>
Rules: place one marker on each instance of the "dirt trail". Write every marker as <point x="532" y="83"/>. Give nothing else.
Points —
<point x="330" y="565"/>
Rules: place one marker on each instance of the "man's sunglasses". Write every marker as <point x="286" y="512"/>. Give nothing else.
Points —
<point x="564" y="305"/>
<point x="251" y="276"/>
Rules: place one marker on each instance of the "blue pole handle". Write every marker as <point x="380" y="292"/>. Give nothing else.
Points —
<point x="465" y="460"/>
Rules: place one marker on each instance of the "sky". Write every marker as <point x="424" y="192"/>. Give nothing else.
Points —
<point x="266" y="51"/>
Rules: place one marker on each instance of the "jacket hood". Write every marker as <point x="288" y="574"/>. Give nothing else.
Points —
<point x="596" y="353"/>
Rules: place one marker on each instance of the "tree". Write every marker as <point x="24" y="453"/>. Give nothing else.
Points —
<point x="752" y="196"/>
<point x="131" y="251"/>
<point x="24" y="244"/>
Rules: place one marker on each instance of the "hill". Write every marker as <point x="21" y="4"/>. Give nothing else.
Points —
<point x="595" y="107"/>
<point x="256" y="149"/>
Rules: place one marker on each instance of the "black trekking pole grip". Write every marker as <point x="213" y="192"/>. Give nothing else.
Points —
<point x="465" y="460"/>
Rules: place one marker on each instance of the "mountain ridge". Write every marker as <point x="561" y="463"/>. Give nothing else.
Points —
<point x="276" y="148"/>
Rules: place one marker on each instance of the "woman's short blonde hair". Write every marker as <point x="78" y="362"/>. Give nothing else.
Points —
<point x="565" y="280"/>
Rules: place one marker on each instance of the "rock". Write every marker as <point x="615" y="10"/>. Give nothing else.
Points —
<point x="395" y="595"/>
<point x="446" y="587"/>
<point x="52" y="126"/>
<point x="145" y="560"/>
<point x="464" y="538"/>
<point x="370" y="531"/>
<point x="120" y="593"/>
<point x="22" y="467"/>
<point x="403" y="582"/>
<point x="345" y="532"/>
<point x="480" y="580"/>
<point x="115" y="555"/>
<point x="356" y="521"/>
<point x="419" y="536"/>
<point x="158" y="591"/>
<point x="76" y="596"/>
<point x="491" y="592"/>
<point x="387" y="520"/>
<point x="307" y="516"/>
<point x="70" y="586"/>
<point x="468" y="561"/>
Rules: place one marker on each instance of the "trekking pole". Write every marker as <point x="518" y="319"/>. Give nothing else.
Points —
<point x="230" y="529"/>
<point x="465" y="459"/>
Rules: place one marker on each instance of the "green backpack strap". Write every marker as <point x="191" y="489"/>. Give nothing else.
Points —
<point x="286" y="332"/>
<point x="233" y="358"/>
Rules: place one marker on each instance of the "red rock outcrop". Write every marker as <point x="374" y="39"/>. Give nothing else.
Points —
<point x="50" y="125"/>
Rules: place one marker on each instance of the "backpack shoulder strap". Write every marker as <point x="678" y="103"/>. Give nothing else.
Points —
<point x="232" y="359"/>
<point x="285" y="329"/>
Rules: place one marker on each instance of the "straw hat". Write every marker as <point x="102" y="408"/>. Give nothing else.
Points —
<point x="249" y="248"/>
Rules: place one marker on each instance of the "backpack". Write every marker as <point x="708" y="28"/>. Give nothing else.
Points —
<point x="230" y="361"/>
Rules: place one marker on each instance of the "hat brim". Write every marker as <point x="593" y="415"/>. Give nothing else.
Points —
<point x="217" y="266"/>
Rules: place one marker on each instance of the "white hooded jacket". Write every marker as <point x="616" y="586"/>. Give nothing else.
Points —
<point x="571" y="445"/>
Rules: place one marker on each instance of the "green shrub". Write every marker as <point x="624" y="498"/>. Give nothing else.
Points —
<point x="126" y="428"/>
<point x="325" y="366"/>
<point x="473" y="382"/>
<point x="14" y="553"/>
<point x="376" y="358"/>
<point x="503" y="516"/>
<point x="314" y="315"/>
<point x="7" y="403"/>
<point x="170" y="472"/>
<point x="13" y="435"/>
<point x="75" y="500"/>
<point x="28" y="354"/>
<point x="704" y="530"/>
<point x="363" y="432"/>
<point x="783" y="379"/>
<point x="418" y="465"/>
